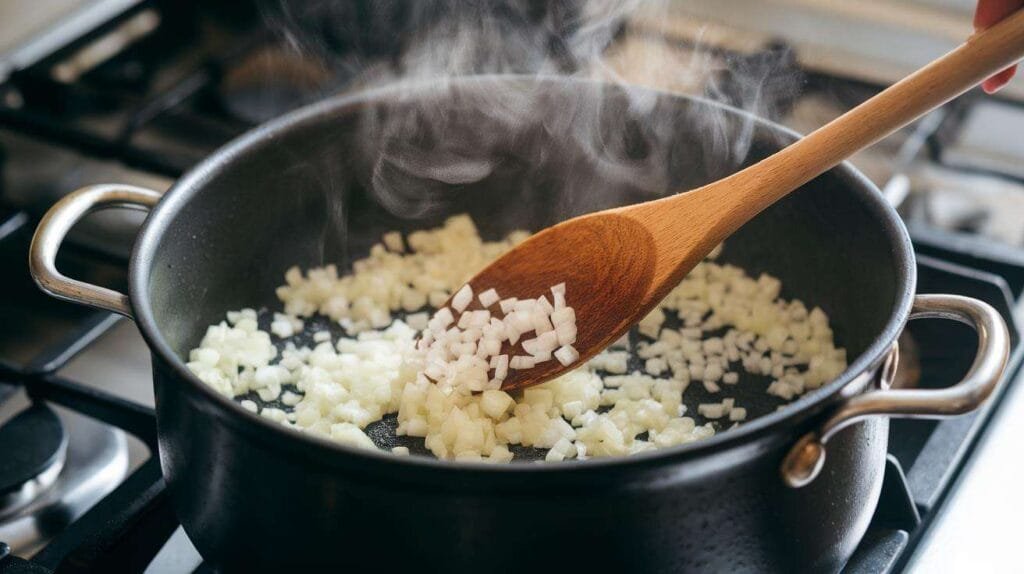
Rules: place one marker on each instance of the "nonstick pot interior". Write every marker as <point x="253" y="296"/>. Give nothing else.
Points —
<point x="323" y="185"/>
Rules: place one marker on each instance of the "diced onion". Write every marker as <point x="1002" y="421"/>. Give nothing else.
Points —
<point x="488" y="297"/>
<point x="462" y="298"/>
<point x="567" y="355"/>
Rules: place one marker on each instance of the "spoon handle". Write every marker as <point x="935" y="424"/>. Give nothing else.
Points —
<point x="981" y="56"/>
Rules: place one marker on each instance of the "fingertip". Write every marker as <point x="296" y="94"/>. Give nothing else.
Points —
<point x="988" y="12"/>
<point x="996" y="82"/>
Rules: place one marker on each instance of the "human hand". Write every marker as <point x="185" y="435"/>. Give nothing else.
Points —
<point x="987" y="14"/>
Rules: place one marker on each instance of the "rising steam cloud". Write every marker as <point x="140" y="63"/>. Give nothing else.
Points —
<point x="452" y="132"/>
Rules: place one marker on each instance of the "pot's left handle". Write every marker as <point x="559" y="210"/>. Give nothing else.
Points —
<point x="42" y="258"/>
<point x="806" y="458"/>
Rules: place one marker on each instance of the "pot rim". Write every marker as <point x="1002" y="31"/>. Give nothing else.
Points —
<point x="329" y="452"/>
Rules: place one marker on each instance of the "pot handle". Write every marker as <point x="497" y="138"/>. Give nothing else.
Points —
<point x="807" y="456"/>
<point x="54" y="227"/>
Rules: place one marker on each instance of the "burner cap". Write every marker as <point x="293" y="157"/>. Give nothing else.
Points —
<point x="272" y="81"/>
<point x="34" y="447"/>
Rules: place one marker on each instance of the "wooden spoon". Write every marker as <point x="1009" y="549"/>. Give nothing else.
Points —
<point x="620" y="263"/>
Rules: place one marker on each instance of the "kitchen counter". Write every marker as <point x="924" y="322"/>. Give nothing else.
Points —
<point x="978" y="528"/>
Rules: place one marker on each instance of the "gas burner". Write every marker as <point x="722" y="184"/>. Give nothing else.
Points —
<point x="271" y="81"/>
<point x="35" y="448"/>
<point x="53" y="486"/>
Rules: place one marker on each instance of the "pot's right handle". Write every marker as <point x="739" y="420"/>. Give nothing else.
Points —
<point x="42" y="258"/>
<point x="806" y="457"/>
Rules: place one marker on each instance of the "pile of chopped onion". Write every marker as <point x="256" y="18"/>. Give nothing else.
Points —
<point x="441" y="374"/>
<point x="467" y="350"/>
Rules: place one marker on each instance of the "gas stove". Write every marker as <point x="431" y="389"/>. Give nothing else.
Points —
<point x="138" y="91"/>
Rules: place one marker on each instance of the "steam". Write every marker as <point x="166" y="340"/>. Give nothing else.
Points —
<point x="457" y="125"/>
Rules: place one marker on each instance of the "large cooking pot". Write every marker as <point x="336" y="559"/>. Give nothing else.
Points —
<point x="320" y="185"/>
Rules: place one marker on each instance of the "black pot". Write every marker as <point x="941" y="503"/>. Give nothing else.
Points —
<point x="323" y="183"/>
